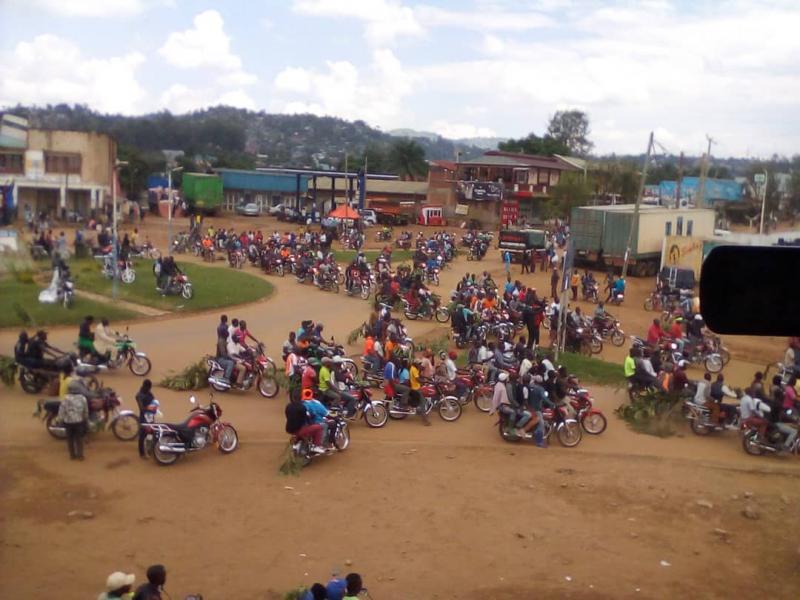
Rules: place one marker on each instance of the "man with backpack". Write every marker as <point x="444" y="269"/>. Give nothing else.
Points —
<point x="299" y="425"/>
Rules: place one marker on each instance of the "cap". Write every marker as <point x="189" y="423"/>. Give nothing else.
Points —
<point x="503" y="376"/>
<point x="118" y="580"/>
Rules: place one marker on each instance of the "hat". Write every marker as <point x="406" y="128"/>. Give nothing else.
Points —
<point x="698" y="317"/>
<point x="118" y="580"/>
<point x="326" y="360"/>
<point x="307" y="394"/>
<point x="503" y="376"/>
<point x="452" y="354"/>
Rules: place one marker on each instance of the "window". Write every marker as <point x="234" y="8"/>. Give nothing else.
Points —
<point x="520" y="176"/>
<point x="668" y="228"/>
<point x="544" y="177"/>
<point x="554" y="176"/>
<point x="11" y="163"/>
<point x="62" y="162"/>
<point x="689" y="227"/>
<point x="679" y="226"/>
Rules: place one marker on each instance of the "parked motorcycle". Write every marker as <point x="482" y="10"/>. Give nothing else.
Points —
<point x="124" y="271"/>
<point x="126" y="354"/>
<point x="179" y="285"/>
<point x="236" y="259"/>
<point x="260" y="370"/>
<point x="104" y="412"/>
<point x="653" y="301"/>
<point x="567" y="429"/>
<point x="203" y="428"/>
<point x="338" y="439"/>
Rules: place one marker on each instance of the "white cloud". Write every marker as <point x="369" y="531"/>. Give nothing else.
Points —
<point x="180" y="98"/>
<point x="461" y="130"/>
<point x="384" y="20"/>
<point x="88" y="8"/>
<point x="492" y="19"/>
<point x="374" y="95"/>
<point x="204" y="45"/>
<point x="51" y="69"/>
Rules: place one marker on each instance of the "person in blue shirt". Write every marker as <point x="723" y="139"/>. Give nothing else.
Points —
<point x="510" y="286"/>
<point x="619" y="286"/>
<point x="507" y="261"/>
<point x="391" y="375"/>
<point x="317" y="413"/>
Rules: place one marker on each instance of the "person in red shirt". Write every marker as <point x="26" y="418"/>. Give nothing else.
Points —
<point x="308" y="381"/>
<point x="676" y="333"/>
<point x="655" y="333"/>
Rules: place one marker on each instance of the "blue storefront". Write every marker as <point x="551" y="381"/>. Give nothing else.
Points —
<point x="264" y="189"/>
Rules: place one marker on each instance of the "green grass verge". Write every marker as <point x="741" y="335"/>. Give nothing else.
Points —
<point x="346" y="256"/>
<point x="213" y="287"/>
<point x="592" y="370"/>
<point x="20" y="307"/>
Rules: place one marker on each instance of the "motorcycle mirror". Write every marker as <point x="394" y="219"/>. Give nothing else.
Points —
<point x="192" y="399"/>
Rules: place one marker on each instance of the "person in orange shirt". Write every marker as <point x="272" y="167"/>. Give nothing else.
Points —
<point x="390" y="346"/>
<point x="489" y="303"/>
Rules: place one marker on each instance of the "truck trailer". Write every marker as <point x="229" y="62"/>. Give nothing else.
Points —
<point x="517" y="241"/>
<point x="600" y="234"/>
<point x="202" y="191"/>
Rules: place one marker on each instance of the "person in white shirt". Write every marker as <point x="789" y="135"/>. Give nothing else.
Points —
<point x="526" y="364"/>
<point x="234" y="348"/>
<point x="104" y="341"/>
<point x="753" y="411"/>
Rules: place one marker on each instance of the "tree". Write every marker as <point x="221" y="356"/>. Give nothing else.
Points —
<point x="407" y="159"/>
<point x="533" y="144"/>
<point x="571" y="128"/>
<point x="572" y="190"/>
<point x="794" y="191"/>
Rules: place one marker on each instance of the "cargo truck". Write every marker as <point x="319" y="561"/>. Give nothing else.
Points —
<point x="516" y="241"/>
<point x="600" y="234"/>
<point x="203" y="192"/>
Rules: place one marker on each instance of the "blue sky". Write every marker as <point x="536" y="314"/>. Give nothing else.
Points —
<point x="461" y="68"/>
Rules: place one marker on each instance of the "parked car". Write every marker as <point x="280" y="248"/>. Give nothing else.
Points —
<point x="368" y="216"/>
<point x="277" y="209"/>
<point x="250" y="209"/>
<point x="288" y="214"/>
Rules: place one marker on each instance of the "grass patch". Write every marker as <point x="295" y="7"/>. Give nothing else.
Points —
<point x="347" y="256"/>
<point x="653" y="414"/>
<point x="591" y="370"/>
<point x="213" y="287"/>
<point x="193" y="377"/>
<point x="20" y="307"/>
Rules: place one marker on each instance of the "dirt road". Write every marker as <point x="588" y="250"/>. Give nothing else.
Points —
<point x="448" y="511"/>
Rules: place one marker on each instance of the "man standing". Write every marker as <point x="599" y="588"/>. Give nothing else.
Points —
<point x="507" y="261"/>
<point x="573" y="283"/>
<point x="554" y="282"/>
<point x="74" y="414"/>
<point x="526" y="260"/>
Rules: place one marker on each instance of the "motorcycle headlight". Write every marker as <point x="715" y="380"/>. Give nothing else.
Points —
<point x="579" y="330"/>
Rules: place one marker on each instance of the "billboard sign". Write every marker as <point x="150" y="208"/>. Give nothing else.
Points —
<point x="479" y="191"/>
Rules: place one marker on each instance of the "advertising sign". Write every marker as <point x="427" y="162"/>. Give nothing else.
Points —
<point x="685" y="252"/>
<point x="479" y="191"/>
<point x="509" y="212"/>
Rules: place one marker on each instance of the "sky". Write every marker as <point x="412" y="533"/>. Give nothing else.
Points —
<point x="460" y="68"/>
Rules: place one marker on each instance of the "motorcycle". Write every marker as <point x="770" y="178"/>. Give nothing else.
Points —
<point x="478" y="391"/>
<point x="169" y="441"/>
<point x="126" y="354"/>
<point x="428" y="310"/>
<point x="433" y="396"/>
<point x="146" y="250"/>
<point x="475" y="333"/>
<point x="590" y="293"/>
<point x="338" y="439"/>
<point x="584" y="341"/>
<point x="700" y="419"/>
<point x="65" y="294"/>
<point x="274" y="266"/>
<point x="567" y="429"/>
<point x="591" y="419"/>
<point x="653" y="301"/>
<point x="103" y="412"/>
<point x="383" y="235"/>
<point x="753" y="444"/>
<point x="610" y="328"/>
<point x="361" y="286"/>
<point x="372" y="411"/>
<point x="124" y="270"/>
<point x="432" y="275"/>
<point x="617" y="298"/>
<point x="695" y="354"/>
<point x="403" y="243"/>
<point x="327" y="283"/>
<point x="33" y="381"/>
<point x="260" y="370"/>
<point x="179" y="284"/>
<point x="236" y="259"/>
<point x="180" y="244"/>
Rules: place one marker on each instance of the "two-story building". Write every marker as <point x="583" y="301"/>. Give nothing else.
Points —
<point x="59" y="172"/>
<point x="495" y="184"/>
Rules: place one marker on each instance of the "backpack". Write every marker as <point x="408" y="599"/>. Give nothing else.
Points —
<point x="295" y="417"/>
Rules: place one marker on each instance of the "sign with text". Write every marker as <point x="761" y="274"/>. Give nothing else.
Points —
<point x="509" y="212"/>
<point x="479" y="191"/>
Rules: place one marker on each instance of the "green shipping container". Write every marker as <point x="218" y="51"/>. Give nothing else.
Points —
<point x="203" y="191"/>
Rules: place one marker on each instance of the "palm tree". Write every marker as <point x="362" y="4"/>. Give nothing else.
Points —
<point x="407" y="159"/>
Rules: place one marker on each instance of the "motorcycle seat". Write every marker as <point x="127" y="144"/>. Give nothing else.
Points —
<point x="52" y="405"/>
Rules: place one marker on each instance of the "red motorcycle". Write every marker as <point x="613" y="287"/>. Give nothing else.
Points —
<point x="260" y="371"/>
<point x="591" y="419"/>
<point x="478" y="391"/>
<point x="567" y="429"/>
<point x="434" y="395"/>
<point x="202" y="428"/>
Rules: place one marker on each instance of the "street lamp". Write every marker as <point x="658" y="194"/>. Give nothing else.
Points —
<point x="114" y="255"/>
<point x="169" y="218"/>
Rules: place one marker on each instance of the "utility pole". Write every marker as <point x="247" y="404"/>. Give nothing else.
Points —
<point x="763" y="201"/>
<point x="114" y="255"/>
<point x="635" y="220"/>
<point x="701" y="191"/>
<point x="680" y="181"/>
<point x="171" y="206"/>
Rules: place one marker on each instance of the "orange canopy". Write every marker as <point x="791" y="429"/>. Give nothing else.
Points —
<point x="344" y="212"/>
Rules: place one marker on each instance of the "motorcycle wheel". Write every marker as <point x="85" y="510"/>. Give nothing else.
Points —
<point x="187" y="291"/>
<point x="725" y="355"/>
<point x="165" y="459"/>
<point x="596" y="345"/>
<point x="54" y="428"/>
<point x="436" y="280"/>
<point x="546" y="323"/>
<point x="280" y="271"/>
<point x="411" y="316"/>
<point x="128" y="276"/>
<point x="340" y="279"/>
<point x="268" y="386"/>
<point x="442" y="315"/>
<point x="594" y="423"/>
<point x="460" y="343"/>
<point x="569" y="434"/>
<point x="228" y="439"/>
<point x="713" y="363"/>
<point x="125" y="428"/>
<point x="217" y="374"/>
<point x="450" y="408"/>
<point x="365" y="292"/>
<point x="335" y="287"/>
<point x="648" y="304"/>
<point x="31" y="382"/>
<point x="376" y="415"/>
<point x="585" y="348"/>
<point x="351" y="367"/>
<point x="483" y="400"/>
<point x="750" y="445"/>
<point x="618" y="338"/>
<point x="698" y="428"/>
<point x="509" y="437"/>
<point x="139" y="365"/>
<point x="342" y="438"/>
<point x="270" y="369"/>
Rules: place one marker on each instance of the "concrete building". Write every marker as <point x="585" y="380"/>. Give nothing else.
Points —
<point x="62" y="173"/>
<point x="497" y="183"/>
<point x="266" y="189"/>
